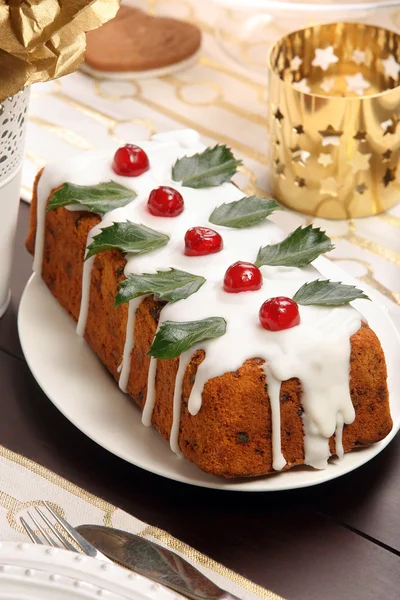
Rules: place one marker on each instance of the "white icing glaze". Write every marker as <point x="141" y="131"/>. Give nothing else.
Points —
<point x="151" y="394"/>
<point x="317" y="351"/>
<point x="129" y="343"/>
<point x="339" y="436"/>
<point x="184" y="361"/>
<point x="84" y="311"/>
<point x="274" y="391"/>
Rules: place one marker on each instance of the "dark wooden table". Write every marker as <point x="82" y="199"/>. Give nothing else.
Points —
<point x="335" y="541"/>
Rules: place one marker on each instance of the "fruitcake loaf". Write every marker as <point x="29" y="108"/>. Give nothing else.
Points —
<point x="219" y="328"/>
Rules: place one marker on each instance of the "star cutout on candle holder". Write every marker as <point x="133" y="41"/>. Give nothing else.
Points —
<point x="277" y="142"/>
<point x="299" y="129"/>
<point x="388" y="177"/>
<point x="358" y="57"/>
<point x="360" y="162"/>
<point x="390" y="125"/>
<point x="295" y="151"/>
<point x="386" y="156"/>
<point x="278" y="115"/>
<point x="357" y="84"/>
<point x="391" y="67"/>
<point x="301" y="86"/>
<point x="325" y="159"/>
<point x="330" y="136"/>
<point x="300" y="182"/>
<point x="327" y="84"/>
<point x="295" y="63"/>
<point x="361" y="188"/>
<point x="361" y="136"/>
<point x="300" y="156"/>
<point x="329" y="187"/>
<point x="324" y="58"/>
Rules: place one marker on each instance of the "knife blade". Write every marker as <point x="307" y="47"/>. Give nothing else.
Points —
<point x="153" y="561"/>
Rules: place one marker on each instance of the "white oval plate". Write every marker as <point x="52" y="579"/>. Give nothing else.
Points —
<point x="30" y="572"/>
<point x="80" y="387"/>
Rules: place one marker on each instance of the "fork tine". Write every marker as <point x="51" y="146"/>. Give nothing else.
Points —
<point x="34" y="538"/>
<point x="78" y="539"/>
<point x="44" y="533"/>
<point x="63" y="541"/>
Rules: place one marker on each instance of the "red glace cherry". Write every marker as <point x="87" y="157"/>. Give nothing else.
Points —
<point x="201" y="240"/>
<point x="165" y="202"/>
<point x="242" y="277"/>
<point x="279" y="313"/>
<point x="130" y="161"/>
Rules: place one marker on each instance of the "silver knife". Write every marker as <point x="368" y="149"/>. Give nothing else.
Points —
<point x="153" y="561"/>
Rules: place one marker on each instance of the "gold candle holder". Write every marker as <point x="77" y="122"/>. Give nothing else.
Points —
<point x="335" y="120"/>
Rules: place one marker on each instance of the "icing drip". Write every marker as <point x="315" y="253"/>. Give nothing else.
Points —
<point x="317" y="351"/>
<point x="129" y="343"/>
<point x="274" y="392"/>
<point x="194" y="404"/>
<point x="84" y="311"/>
<point x="151" y="393"/>
<point x="184" y="361"/>
<point x="316" y="446"/>
<point x="42" y="195"/>
<point x="339" y="436"/>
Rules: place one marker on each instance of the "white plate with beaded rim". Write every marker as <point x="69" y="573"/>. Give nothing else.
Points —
<point x="42" y="573"/>
<point x="80" y="387"/>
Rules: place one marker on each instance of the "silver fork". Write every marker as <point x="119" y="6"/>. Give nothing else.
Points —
<point x="61" y="540"/>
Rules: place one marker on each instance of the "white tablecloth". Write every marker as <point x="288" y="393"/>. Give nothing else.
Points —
<point x="225" y="103"/>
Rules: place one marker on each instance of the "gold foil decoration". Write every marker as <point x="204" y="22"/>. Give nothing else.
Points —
<point x="45" y="39"/>
<point x="335" y="120"/>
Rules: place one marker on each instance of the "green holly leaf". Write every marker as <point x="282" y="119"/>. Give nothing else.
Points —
<point x="299" y="249"/>
<point x="128" y="237"/>
<point x="327" y="293"/>
<point x="170" y="285"/>
<point x="212" y="167"/>
<point x="244" y="213"/>
<point x="100" y="198"/>
<point x="172" y="339"/>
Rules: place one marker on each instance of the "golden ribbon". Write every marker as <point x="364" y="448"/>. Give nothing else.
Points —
<point x="45" y="39"/>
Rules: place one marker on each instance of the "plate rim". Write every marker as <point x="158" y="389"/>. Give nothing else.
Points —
<point x="229" y="485"/>
<point x="30" y="561"/>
